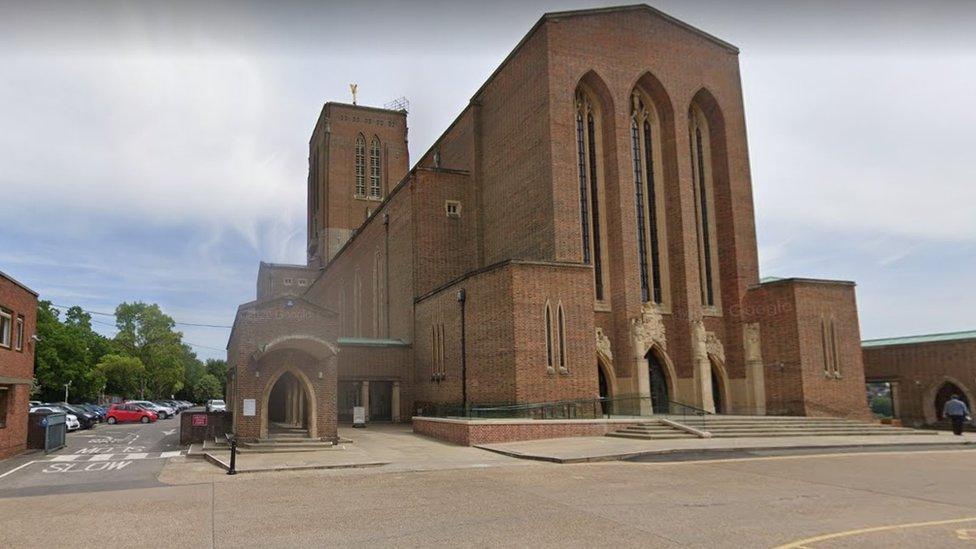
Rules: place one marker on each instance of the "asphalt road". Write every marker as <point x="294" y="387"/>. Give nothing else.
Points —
<point x="108" y="457"/>
<point x="904" y="499"/>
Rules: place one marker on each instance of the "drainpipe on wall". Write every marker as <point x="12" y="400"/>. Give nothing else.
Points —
<point x="464" y="371"/>
<point x="386" y="267"/>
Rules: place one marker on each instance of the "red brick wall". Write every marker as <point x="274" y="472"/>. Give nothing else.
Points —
<point x="789" y="313"/>
<point x="17" y="364"/>
<point x="471" y="433"/>
<point x="920" y="369"/>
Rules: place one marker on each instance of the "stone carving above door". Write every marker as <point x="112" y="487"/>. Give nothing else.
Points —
<point x="648" y="330"/>
<point x="603" y="345"/>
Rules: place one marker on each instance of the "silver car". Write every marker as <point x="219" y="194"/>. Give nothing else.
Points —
<point x="216" y="406"/>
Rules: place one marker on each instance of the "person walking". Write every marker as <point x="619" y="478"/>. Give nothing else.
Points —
<point x="957" y="412"/>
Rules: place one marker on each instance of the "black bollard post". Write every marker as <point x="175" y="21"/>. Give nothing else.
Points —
<point x="233" y="457"/>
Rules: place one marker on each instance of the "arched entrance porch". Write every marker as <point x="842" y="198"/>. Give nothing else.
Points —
<point x="288" y="406"/>
<point x="939" y="392"/>
<point x="944" y="394"/>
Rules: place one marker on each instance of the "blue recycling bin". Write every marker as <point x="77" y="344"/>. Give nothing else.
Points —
<point x="47" y="432"/>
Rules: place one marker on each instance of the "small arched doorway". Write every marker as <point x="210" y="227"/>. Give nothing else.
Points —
<point x="604" y="385"/>
<point x="660" y="389"/>
<point x="288" y="407"/>
<point x="719" y="393"/>
<point x="943" y="395"/>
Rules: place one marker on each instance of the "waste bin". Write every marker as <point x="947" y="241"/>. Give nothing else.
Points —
<point x="46" y="431"/>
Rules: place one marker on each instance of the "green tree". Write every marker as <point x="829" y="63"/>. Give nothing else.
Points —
<point x="218" y="368"/>
<point x="147" y="333"/>
<point x="123" y="374"/>
<point x="67" y="353"/>
<point x="206" y="388"/>
<point x="882" y="406"/>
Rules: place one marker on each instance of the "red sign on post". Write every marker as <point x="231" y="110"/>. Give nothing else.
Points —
<point x="199" y="420"/>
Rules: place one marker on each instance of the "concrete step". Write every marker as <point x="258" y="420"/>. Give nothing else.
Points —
<point x="651" y="436"/>
<point x="812" y="434"/>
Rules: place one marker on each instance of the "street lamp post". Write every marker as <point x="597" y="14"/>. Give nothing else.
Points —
<point x="66" y="385"/>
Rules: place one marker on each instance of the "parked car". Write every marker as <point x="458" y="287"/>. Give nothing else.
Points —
<point x="216" y="406"/>
<point x="87" y="419"/>
<point x="120" y="413"/>
<point x="164" y="412"/>
<point x="175" y="405"/>
<point x="71" y="420"/>
<point x="97" y="410"/>
<point x="35" y="403"/>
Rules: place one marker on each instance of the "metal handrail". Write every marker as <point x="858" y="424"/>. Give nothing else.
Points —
<point x="624" y="406"/>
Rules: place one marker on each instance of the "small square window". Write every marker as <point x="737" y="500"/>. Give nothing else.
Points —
<point x="289" y="281"/>
<point x="453" y="208"/>
<point x="302" y="282"/>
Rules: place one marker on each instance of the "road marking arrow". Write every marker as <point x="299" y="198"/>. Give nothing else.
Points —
<point x="170" y="432"/>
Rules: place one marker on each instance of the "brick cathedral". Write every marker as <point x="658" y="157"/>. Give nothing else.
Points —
<point x="583" y="229"/>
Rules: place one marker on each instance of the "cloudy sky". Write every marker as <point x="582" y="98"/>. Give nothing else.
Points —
<point x="158" y="151"/>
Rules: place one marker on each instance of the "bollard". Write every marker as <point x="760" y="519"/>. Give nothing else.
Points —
<point x="233" y="456"/>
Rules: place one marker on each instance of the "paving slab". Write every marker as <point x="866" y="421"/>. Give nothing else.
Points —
<point x="587" y="449"/>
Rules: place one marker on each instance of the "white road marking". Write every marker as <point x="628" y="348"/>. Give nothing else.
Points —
<point x="17" y="468"/>
<point x="101" y="457"/>
<point x="170" y="432"/>
<point x="175" y="453"/>
<point x="71" y="457"/>
<point x="136" y="456"/>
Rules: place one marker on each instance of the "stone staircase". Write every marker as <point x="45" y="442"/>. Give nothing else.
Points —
<point x="280" y="440"/>
<point x="720" y="426"/>
<point x="653" y="429"/>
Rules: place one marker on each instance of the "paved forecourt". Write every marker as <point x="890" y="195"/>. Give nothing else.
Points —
<point x="918" y="498"/>
<point x="108" y="457"/>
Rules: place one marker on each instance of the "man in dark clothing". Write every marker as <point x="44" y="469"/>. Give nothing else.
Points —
<point x="957" y="412"/>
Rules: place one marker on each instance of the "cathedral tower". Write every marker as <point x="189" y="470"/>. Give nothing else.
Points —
<point x="356" y="156"/>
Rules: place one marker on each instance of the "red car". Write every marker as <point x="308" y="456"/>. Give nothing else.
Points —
<point x="129" y="412"/>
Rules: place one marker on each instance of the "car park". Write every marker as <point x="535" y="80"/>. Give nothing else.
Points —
<point x="71" y="420"/>
<point x="175" y="405"/>
<point x="216" y="405"/>
<point x="164" y="412"/>
<point x="121" y="413"/>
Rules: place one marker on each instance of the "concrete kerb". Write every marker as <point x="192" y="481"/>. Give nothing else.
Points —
<point x="677" y="452"/>
<point x="273" y="468"/>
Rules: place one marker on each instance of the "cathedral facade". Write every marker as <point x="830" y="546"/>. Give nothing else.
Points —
<point x="583" y="229"/>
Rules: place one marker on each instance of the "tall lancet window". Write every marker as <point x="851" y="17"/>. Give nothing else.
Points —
<point x="589" y="159"/>
<point x="645" y="150"/>
<point x="701" y="164"/>
<point x="360" y="166"/>
<point x="374" y="168"/>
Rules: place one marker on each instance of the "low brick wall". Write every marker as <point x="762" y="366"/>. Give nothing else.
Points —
<point x="218" y="424"/>
<point x="471" y="432"/>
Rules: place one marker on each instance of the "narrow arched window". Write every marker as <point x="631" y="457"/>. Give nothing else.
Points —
<point x="646" y="197"/>
<point x="360" y="166"/>
<point x="561" y="327"/>
<point x="588" y="162"/>
<point x="702" y="176"/>
<point x="374" y="168"/>
<point x="549" y="354"/>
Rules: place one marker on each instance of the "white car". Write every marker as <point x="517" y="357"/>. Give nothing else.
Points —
<point x="216" y="406"/>
<point x="71" y="420"/>
<point x="163" y="412"/>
